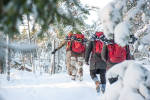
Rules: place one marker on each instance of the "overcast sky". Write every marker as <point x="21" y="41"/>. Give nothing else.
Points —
<point x="97" y="3"/>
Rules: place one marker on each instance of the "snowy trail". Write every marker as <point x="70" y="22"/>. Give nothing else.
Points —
<point x="26" y="86"/>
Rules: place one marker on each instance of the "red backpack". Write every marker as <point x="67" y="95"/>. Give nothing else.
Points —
<point x="98" y="45"/>
<point x="77" y="44"/>
<point x="116" y="53"/>
<point x="68" y="45"/>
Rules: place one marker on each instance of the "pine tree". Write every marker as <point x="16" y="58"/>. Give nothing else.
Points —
<point x="123" y="18"/>
<point x="45" y="13"/>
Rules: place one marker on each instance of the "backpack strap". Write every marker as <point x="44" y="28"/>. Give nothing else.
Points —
<point x="94" y="47"/>
<point x="128" y="56"/>
<point x="93" y="50"/>
<point x="99" y="46"/>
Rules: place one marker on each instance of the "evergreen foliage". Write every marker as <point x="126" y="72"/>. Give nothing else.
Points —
<point x="45" y="13"/>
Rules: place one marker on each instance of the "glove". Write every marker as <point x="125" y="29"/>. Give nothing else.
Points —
<point x="53" y="52"/>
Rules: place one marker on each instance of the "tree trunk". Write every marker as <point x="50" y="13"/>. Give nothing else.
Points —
<point x="1" y="67"/>
<point x="52" y="68"/>
<point x="7" y="59"/>
<point x="29" y="36"/>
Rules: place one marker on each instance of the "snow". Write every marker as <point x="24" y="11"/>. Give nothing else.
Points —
<point x="96" y="3"/>
<point x="146" y="39"/>
<point x="113" y="91"/>
<point x="122" y="33"/>
<point x="29" y="86"/>
<point x="124" y="17"/>
<point x="118" y="20"/>
<point x="106" y="20"/>
<point x="94" y="14"/>
<point x="133" y="82"/>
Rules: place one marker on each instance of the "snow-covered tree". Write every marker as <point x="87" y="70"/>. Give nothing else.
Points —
<point x="38" y="18"/>
<point x="123" y="18"/>
<point x="133" y="82"/>
<point x="13" y="47"/>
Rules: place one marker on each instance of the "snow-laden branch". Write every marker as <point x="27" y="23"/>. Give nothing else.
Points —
<point x="122" y="18"/>
<point x="18" y="47"/>
<point x="133" y="82"/>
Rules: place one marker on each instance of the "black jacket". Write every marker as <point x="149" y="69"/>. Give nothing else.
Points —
<point x="96" y="61"/>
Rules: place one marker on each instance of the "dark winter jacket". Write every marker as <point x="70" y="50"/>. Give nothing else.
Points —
<point x="105" y="56"/>
<point x="96" y="61"/>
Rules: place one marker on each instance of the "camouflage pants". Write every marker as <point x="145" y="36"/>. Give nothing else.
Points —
<point x="68" y="62"/>
<point x="77" y="66"/>
<point x="74" y="64"/>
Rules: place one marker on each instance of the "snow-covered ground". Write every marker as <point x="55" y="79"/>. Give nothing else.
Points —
<point x="27" y="86"/>
<point x="133" y="81"/>
<point x="133" y="84"/>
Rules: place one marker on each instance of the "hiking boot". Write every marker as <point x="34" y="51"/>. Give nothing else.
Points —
<point x="98" y="89"/>
<point x="70" y="73"/>
<point x="103" y="86"/>
<point x="97" y="83"/>
<point x="80" y="78"/>
<point x="73" y="77"/>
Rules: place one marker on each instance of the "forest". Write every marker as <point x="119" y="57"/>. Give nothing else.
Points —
<point x="30" y="30"/>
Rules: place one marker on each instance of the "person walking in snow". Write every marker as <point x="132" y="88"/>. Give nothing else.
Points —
<point x="112" y="54"/>
<point x="97" y="65"/>
<point x="75" y="49"/>
<point x="66" y="41"/>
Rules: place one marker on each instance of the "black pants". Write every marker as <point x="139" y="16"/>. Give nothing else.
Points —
<point x="101" y="72"/>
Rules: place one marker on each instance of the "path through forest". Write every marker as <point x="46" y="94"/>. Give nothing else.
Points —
<point x="27" y="86"/>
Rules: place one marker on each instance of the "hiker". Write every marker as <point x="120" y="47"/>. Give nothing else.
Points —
<point x="75" y="50"/>
<point x="97" y="65"/>
<point x="77" y="55"/>
<point x="66" y="41"/>
<point x="113" y="54"/>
